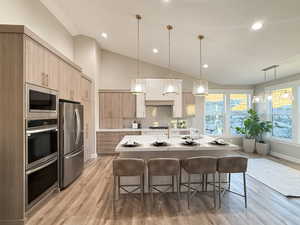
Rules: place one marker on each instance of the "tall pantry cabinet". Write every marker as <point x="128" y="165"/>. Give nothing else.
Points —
<point x="27" y="59"/>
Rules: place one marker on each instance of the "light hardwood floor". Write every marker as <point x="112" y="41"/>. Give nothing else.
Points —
<point x="88" y="202"/>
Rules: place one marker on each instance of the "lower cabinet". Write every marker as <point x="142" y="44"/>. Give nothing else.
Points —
<point x="107" y="141"/>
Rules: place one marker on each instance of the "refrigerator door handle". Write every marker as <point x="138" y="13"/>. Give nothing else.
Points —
<point x="78" y="126"/>
<point x="73" y="155"/>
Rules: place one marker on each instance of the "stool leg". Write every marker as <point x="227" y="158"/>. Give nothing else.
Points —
<point x="178" y="187"/>
<point x="219" y="176"/>
<point x="229" y="181"/>
<point x="151" y="191"/>
<point x="114" y="195"/>
<point x="203" y="182"/>
<point x="180" y="179"/>
<point x="173" y="184"/>
<point x="214" y="185"/>
<point x="189" y="191"/>
<point x="141" y="188"/>
<point x="245" y="189"/>
<point x="206" y="175"/>
<point x="119" y="189"/>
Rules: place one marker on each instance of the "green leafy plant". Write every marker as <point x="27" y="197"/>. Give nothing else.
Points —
<point x="264" y="127"/>
<point x="251" y="127"/>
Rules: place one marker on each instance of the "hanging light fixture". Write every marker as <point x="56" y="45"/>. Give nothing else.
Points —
<point x="170" y="85"/>
<point x="285" y="94"/>
<point x="200" y="87"/>
<point x="260" y="98"/>
<point x="138" y="84"/>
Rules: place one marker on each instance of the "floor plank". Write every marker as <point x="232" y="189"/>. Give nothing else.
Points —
<point x="88" y="202"/>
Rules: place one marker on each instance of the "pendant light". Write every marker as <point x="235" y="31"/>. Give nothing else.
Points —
<point x="170" y="85"/>
<point x="138" y="84"/>
<point x="285" y="94"/>
<point x="200" y="87"/>
<point x="260" y="98"/>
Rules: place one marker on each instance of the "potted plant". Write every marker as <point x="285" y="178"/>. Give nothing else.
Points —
<point x="250" y="130"/>
<point x="261" y="146"/>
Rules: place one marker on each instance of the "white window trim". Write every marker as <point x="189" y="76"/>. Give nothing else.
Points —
<point x="295" y="85"/>
<point x="227" y="110"/>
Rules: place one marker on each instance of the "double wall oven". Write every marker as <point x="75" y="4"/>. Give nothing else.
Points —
<point x="42" y="142"/>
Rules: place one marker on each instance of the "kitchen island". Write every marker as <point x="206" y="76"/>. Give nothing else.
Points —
<point x="175" y="149"/>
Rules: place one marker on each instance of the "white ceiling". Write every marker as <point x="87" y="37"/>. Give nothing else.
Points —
<point x="235" y="54"/>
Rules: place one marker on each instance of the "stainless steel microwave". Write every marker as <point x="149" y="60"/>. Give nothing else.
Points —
<point x="41" y="102"/>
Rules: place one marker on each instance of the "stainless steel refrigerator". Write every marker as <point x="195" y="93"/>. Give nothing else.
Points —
<point x="71" y="152"/>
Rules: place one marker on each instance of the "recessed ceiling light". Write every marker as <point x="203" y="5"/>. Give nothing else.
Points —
<point x="257" y="25"/>
<point x="205" y="66"/>
<point x="104" y="35"/>
<point x="155" y="50"/>
<point x="166" y="1"/>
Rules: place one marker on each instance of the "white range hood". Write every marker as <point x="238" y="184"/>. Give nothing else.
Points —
<point x="154" y="96"/>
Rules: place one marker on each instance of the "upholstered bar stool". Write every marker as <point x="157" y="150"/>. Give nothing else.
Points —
<point x="229" y="165"/>
<point x="163" y="167"/>
<point x="203" y="166"/>
<point x="128" y="167"/>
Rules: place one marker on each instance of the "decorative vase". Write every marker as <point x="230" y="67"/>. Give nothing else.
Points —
<point x="249" y="145"/>
<point x="263" y="148"/>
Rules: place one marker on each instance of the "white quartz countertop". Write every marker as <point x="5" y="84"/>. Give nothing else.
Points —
<point x="146" y="141"/>
<point x="140" y="129"/>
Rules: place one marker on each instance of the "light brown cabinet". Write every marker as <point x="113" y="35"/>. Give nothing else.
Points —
<point x="85" y="89"/>
<point x="108" y="141"/>
<point x="115" y="107"/>
<point x="41" y="66"/>
<point x="69" y="82"/>
<point x="188" y="104"/>
<point x="128" y="101"/>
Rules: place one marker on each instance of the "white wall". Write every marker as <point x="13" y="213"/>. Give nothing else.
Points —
<point x="284" y="150"/>
<point x="36" y="16"/>
<point x="118" y="70"/>
<point x="87" y="54"/>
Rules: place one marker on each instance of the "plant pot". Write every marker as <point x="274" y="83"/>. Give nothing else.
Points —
<point x="263" y="148"/>
<point x="249" y="145"/>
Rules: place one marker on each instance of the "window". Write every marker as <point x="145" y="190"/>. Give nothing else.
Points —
<point x="282" y="114"/>
<point x="214" y="114"/>
<point x="238" y="111"/>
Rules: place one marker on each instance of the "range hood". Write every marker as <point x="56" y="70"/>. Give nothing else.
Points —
<point x="159" y="103"/>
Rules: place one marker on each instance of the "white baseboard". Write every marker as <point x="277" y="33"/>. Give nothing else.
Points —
<point x="286" y="157"/>
<point x="93" y="156"/>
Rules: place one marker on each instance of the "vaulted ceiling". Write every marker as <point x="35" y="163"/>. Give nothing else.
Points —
<point x="235" y="53"/>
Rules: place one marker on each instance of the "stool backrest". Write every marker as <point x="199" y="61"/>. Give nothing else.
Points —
<point x="232" y="164"/>
<point x="163" y="167"/>
<point x="128" y="167"/>
<point x="200" y="165"/>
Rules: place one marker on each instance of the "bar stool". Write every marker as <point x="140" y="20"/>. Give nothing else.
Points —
<point x="163" y="167"/>
<point x="203" y="166"/>
<point x="128" y="167"/>
<point x="229" y="165"/>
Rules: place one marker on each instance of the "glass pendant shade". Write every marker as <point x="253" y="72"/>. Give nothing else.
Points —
<point x="287" y="95"/>
<point x="200" y="88"/>
<point x="138" y="86"/>
<point x="171" y="86"/>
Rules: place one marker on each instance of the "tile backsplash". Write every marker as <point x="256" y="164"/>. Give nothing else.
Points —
<point x="158" y="114"/>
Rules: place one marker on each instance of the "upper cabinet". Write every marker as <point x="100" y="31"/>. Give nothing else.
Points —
<point x="85" y="89"/>
<point x="115" y="108"/>
<point x="128" y="101"/>
<point x="41" y="66"/>
<point x="69" y="82"/>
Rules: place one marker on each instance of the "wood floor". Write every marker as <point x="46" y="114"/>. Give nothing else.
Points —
<point x="88" y="202"/>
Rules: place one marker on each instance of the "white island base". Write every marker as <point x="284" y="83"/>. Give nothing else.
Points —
<point x="175" y="149"/>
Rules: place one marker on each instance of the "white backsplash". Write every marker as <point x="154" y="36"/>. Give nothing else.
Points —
<point x="158" y="114"/>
